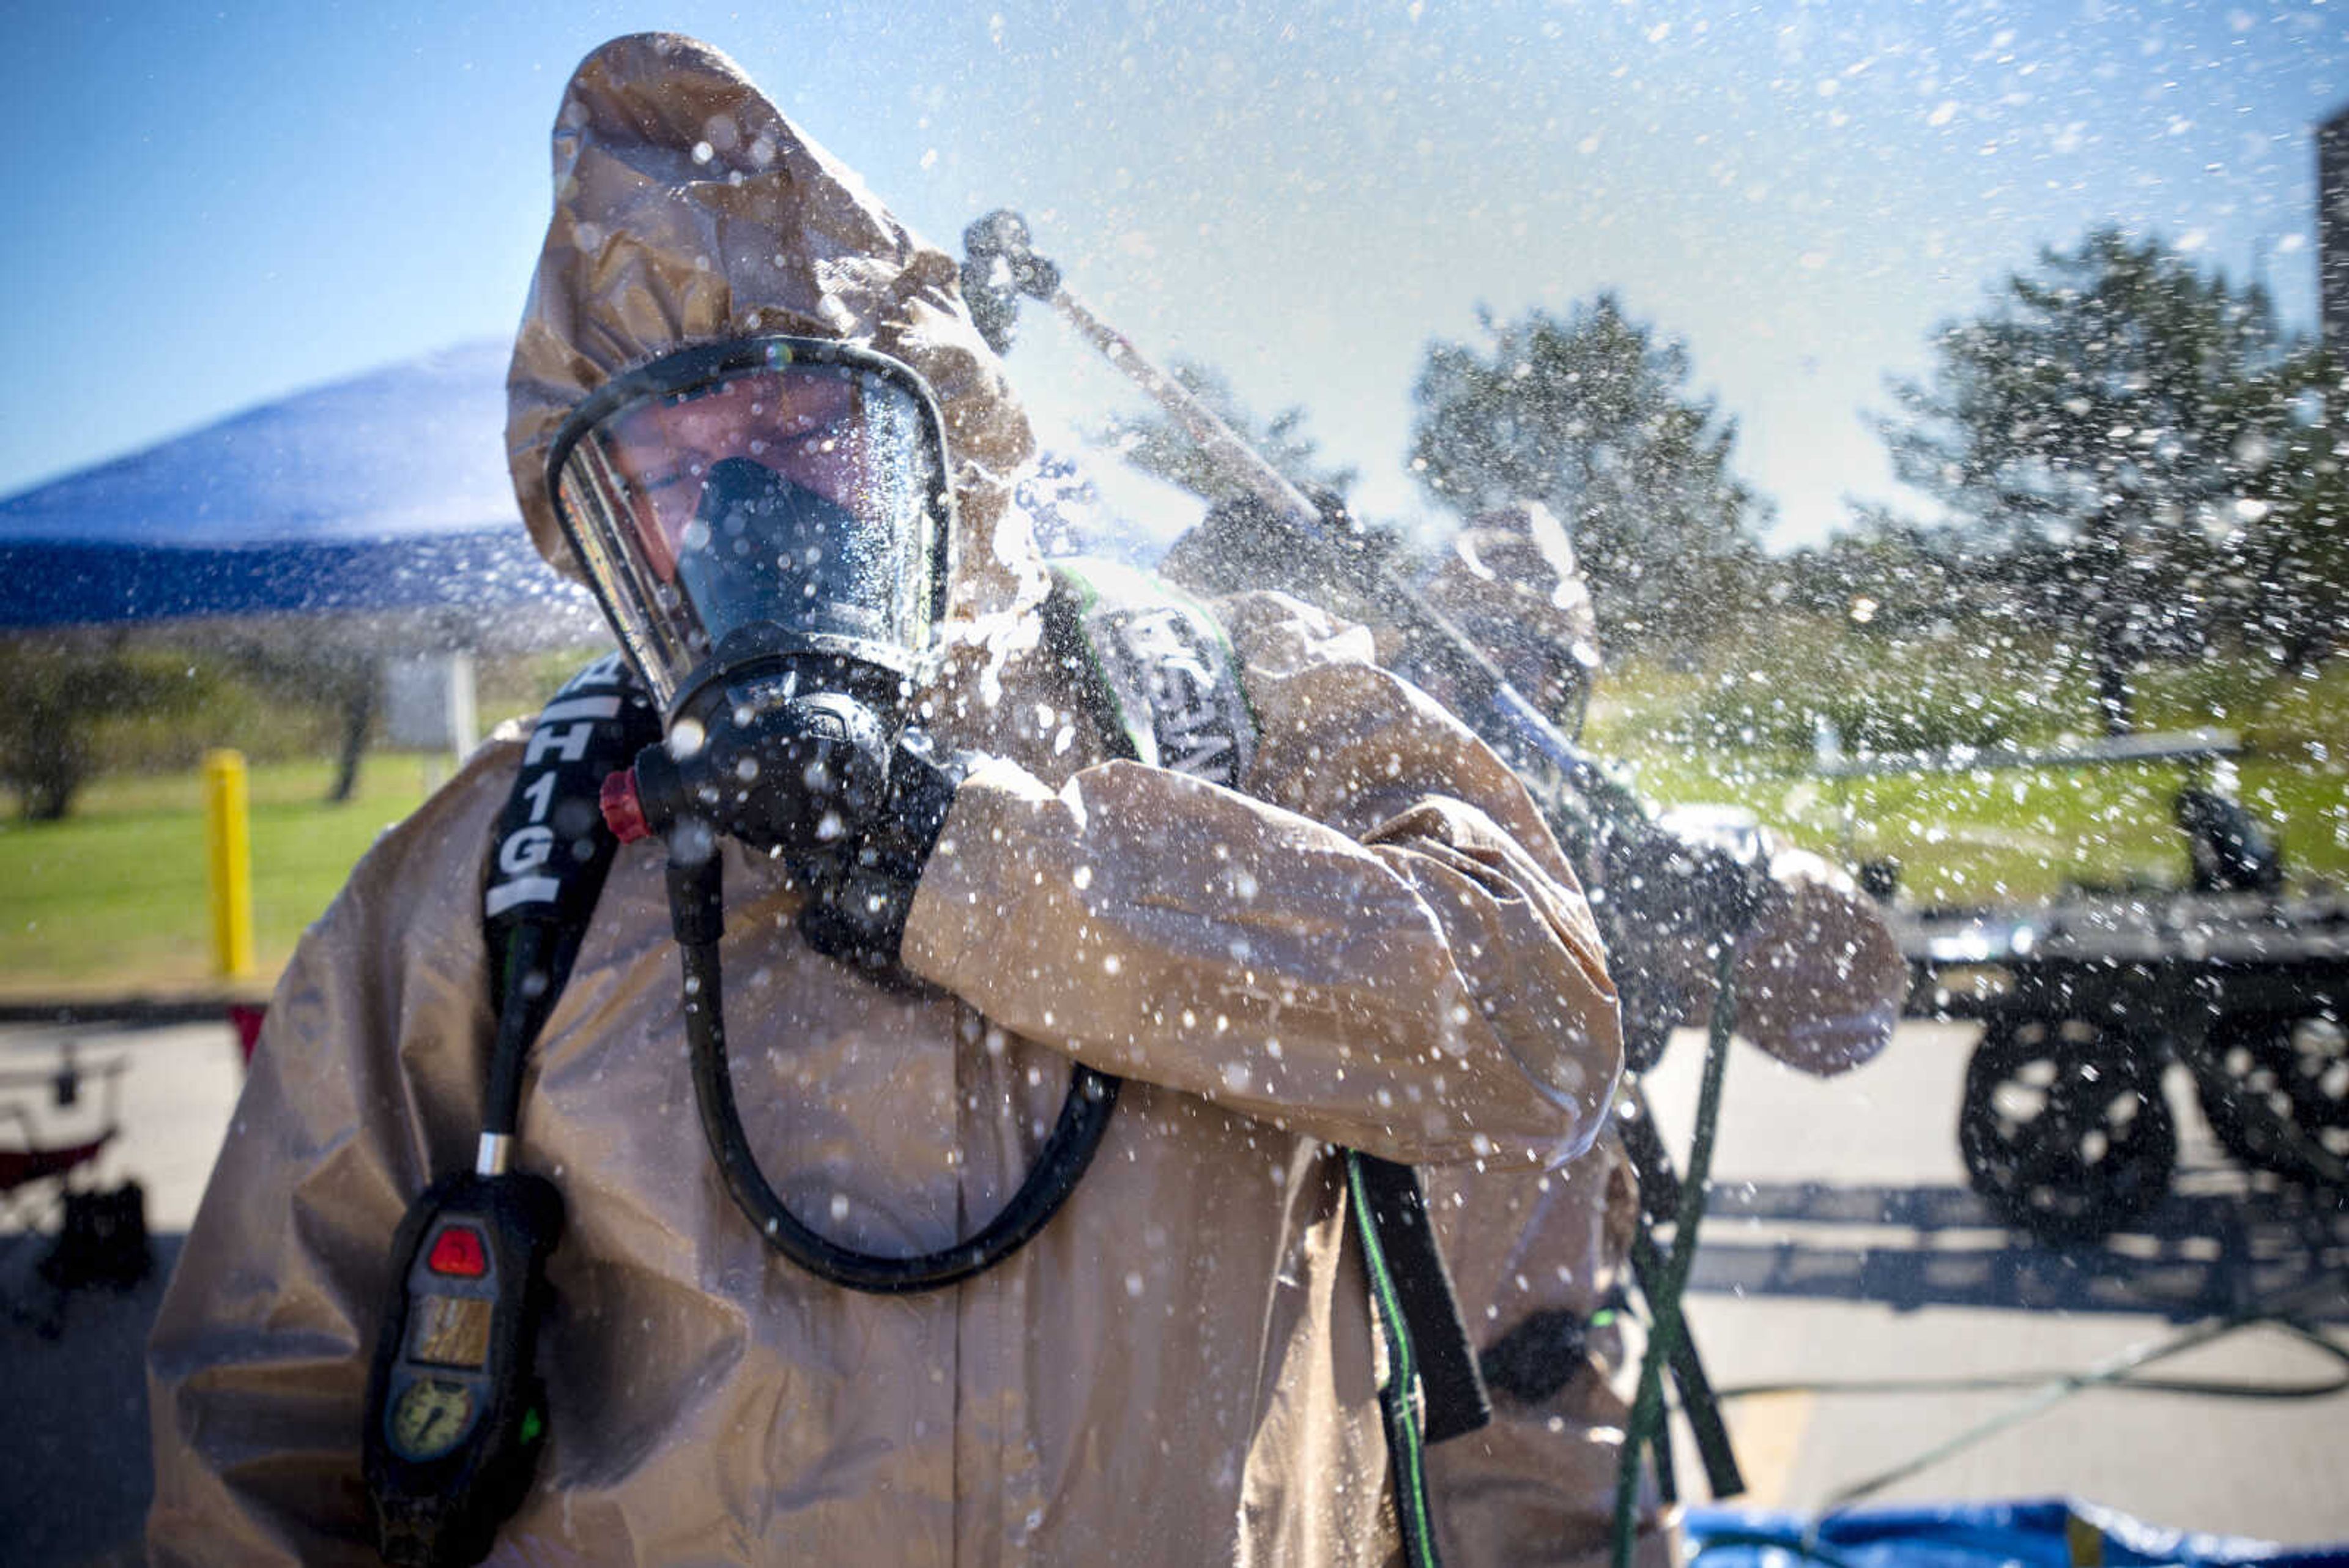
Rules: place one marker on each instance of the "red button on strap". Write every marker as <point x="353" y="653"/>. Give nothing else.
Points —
<point x="457" y="1250"/>
<point x="624" y="808"/>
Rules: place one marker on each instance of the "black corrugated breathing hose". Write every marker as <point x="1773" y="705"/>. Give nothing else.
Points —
<point x="696" y="911"/>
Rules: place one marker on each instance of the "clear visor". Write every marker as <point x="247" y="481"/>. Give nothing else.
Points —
<point x="1555" y="676"/>
<point x="759" y="498"/>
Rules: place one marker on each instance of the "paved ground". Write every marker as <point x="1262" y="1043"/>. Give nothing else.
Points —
<point x="1843" y="1245"/>
<point x="74" y="1478"/>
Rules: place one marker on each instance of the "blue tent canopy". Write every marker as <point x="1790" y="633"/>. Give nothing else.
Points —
<point x="386" y="491"/>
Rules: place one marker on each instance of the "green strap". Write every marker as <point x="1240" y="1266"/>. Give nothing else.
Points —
<point x="1664" y="1303"/>
<point x="1398" y="1395"/>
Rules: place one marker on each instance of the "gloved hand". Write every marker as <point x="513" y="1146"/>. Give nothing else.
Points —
<point x="809" y="777"/>
<point x="1819" y="977"/>
<point x="861" y="886"/>
<point x="1669" y="883"/>
<point x="775" y="769"/>
<point x="1668" y="899"/>
<point x="1821" y="981"/>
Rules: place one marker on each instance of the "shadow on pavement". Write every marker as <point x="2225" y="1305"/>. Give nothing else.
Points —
<point x="74" y="1477"/>
<point x="2216" y="1245"/>
<point x="73" y="1471"/>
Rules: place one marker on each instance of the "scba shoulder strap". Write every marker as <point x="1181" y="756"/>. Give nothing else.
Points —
<point x="1157" y="676"/>
<point x="552" y="825"/>
<point x="1160" y="676"/>
<point x="455" y="1414"/>
<point x="552" y="850"/>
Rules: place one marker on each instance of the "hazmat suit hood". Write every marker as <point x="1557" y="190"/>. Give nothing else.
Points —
<point x="1821" y="982"/>
<point x="1511" y="583"/>
<point x="688" y="210"/>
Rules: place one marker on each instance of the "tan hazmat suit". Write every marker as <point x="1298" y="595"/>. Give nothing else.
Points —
<point x="1818" y="987"/>
<point x="1378" y="945"/>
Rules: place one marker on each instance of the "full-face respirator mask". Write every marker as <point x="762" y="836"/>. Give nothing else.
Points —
<point x="767" y="525"/>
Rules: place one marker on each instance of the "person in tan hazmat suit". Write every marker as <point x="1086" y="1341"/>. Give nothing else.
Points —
<point x="1373" y="943"/>
<point x="1536" y="1252"/>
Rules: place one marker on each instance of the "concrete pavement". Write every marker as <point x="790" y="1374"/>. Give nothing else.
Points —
<point x="74" y="1475"/>
<point x="1843" y="1244"/>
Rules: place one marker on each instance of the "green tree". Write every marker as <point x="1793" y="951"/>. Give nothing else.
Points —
<point x="317" y="665"/>
<point x="1152" y="443"/>
<point x="58" y="692"/>
<point x="2102" y="417"/>
<point x="1882" y="573"/>
<point x="1590" y="414"/>
<point x="2280" y="551"/>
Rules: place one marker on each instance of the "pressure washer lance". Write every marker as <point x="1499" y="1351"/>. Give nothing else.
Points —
<point x="1606" y="828"/>
<point x="1000" y="263"/>
<point x="1639" y="876"/>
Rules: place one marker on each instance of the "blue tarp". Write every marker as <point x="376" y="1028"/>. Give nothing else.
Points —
<point x="2053" y="1532"/>
<point x="387" y="491"/>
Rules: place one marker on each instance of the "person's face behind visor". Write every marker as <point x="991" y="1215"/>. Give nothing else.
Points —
<point x="799" y="427"/>
<point x="800" y="499"/>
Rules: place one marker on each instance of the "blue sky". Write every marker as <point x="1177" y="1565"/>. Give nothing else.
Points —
<point x="214" y="205"/>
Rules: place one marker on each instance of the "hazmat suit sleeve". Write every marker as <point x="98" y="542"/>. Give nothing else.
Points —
<point x="258" y="1360"/>
<point x="1379" y="945"/>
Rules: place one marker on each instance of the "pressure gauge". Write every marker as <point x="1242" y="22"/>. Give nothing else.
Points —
<point x="431" y="1416"/>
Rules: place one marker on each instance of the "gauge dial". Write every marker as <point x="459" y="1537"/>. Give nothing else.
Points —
<point x="429" y="1417"/>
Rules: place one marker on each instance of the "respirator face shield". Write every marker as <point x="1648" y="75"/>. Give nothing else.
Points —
<point x="760" y="502"/>
<point x="1557" y="679"/>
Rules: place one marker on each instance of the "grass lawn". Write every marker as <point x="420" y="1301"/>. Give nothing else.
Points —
<point x="2010" y="835"/>
<point x="112" y="901"/>
<point x="1989" y="836"/>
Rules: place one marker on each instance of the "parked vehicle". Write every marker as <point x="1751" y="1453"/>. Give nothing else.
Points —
<point x="2085" y="1000"/>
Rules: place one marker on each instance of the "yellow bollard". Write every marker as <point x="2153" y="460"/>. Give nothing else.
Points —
<point x="228" y="861"/>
